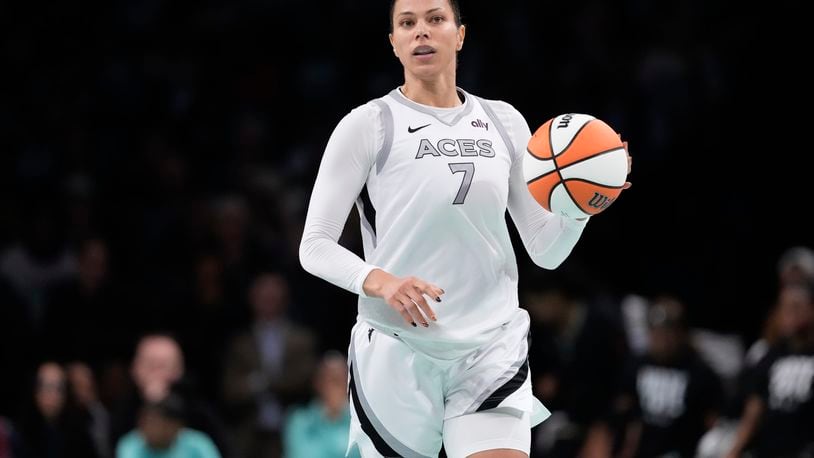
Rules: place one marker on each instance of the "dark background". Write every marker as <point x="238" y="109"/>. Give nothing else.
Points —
<point x="127" y="120"/>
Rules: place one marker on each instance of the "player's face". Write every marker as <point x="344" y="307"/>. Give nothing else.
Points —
<point x="425" y="37"/>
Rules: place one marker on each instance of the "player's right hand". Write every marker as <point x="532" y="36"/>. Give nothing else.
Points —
<point x="405" y="295"/>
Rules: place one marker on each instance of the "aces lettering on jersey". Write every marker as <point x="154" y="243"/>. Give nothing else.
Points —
<point x="463" y="147"/>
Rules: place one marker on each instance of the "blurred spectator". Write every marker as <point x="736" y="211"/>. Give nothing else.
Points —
<point x="268" y="367"/>
<point x="53" y="427"/>
<point x="669" y="396"/>
<point x="778" y="417"/>
<point x="161" y="433"/>
<point x="321" y="428"/>
<point x="9" y="443"/>
<point x="242" y="251"/>
<point x="796" y="265"/>
<point x="17" y="349"/>
<point x="217" y="317"/>
<point x="576" y="347"/>
<point x="39" y="259"/>
<point x="158" y="370"/>
<point x="83" y="311"/>
<point x="83" y="386"/>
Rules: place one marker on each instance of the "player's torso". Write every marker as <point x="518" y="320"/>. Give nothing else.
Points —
<point x="440" y="194"/>
<point x="447" y="172"/>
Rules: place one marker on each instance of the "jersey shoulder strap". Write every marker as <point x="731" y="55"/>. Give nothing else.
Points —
<point x="386" y="118"/>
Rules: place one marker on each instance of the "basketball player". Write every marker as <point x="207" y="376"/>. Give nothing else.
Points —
<point x="432" y="170"/>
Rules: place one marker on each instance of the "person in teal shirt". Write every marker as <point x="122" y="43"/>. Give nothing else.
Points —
<point x="321" y="428"/>
<point x="161" y="434"/>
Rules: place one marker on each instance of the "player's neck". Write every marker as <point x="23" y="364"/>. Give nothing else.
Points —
<point x="439" y="92"/>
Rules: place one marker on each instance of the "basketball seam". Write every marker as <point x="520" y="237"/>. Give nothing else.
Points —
<point x="541" y="176"/>
<point x="557" y="166"/>
<point x="594" y="155"/>
<point x="570" y="142"/>
<point x="593" y="183"/>
<point x="534" y="155"/>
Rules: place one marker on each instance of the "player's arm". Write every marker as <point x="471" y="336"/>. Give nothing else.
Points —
<point x="346" y="163"/>
<point x="343" y="171"/>
<point x="548" y="238"/>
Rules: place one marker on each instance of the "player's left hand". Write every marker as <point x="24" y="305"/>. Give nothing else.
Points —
<point x="629" y="164"/>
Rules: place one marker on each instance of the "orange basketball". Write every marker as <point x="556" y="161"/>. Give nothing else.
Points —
<point x="576" y="165"/>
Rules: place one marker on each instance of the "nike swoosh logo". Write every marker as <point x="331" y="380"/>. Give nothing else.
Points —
<point x="411" y="130"/>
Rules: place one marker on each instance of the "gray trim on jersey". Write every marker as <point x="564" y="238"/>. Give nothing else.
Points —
<point x="511" y="371"/>
<point x="467" y="109"/>
<point x="499" y="125"/>
<point x="394" y="443"/>
<point x="360" y="206"/>
<point x="387" y="119"/>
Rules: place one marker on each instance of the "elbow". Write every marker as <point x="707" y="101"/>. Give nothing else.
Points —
<point x="547" y="263"/>
<point x="552" y="257"/>
<point x="306" y="255"/>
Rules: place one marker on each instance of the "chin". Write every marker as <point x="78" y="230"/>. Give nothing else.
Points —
<point x="426" y="71"/>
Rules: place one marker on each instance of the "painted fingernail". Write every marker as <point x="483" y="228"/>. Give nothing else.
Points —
<point x="414" y="325"/>
<point x="434" y="318"/>
<point x="426" y="325"/>
<point x="437" y="299"/>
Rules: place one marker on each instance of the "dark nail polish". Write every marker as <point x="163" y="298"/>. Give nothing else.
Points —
<point x="414" y="325"/>
<point x="437" y="299"/>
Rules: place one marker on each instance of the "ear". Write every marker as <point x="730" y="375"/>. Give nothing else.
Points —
<point x="461" y="35"/>
<point x="390" y="37"/>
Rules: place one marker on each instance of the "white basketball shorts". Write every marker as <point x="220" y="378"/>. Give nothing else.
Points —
<point x="406" y="404"/>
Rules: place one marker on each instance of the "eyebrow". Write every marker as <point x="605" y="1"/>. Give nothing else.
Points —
<point x="407" y="13"/>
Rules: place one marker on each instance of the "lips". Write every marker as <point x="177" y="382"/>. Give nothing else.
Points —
<point x="423" y="50"/>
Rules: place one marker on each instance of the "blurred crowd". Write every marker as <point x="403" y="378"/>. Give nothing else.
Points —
<point x="156" y="163"/>
<point x="624" y="378"/>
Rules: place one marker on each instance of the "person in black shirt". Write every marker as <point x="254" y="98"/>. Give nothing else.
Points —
<point x="577" y="345"/>
<point x="669" y="396"/>
<point x="778" y="418"/>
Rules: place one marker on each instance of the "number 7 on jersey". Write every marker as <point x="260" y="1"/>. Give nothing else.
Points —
<point x="468" y="169"/>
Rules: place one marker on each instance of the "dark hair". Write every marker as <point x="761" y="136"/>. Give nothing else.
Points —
<point x="456" y="11"/>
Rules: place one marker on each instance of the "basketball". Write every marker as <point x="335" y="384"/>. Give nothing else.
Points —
<point x="576" y="165"/>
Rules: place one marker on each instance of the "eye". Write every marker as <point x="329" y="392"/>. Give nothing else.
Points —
<point x="437" y="19"/>
<point x="406" y="23"/>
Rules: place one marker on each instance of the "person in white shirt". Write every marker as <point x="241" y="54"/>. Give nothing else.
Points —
<point x="432" y="170"/>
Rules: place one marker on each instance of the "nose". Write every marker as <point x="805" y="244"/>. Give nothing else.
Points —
<point x="421" y="31"/>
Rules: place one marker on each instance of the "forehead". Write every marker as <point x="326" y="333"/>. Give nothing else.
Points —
<point x="158" y="347"/>
<point x="418" y="6"/>
<point x="50" y="372"/>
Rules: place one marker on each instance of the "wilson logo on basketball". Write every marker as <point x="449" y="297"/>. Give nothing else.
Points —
<point x="565" y="121"/>
<point x="600" y="201"/>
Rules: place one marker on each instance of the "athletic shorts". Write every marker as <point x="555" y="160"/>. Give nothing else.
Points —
<point x="404" y="402"/>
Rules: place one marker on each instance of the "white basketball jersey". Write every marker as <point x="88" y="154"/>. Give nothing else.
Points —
<point x="432" y="186"/>
<point x="434" y="207"/>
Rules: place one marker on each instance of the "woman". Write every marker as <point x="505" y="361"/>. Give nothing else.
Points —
<point x="433" y="170"/>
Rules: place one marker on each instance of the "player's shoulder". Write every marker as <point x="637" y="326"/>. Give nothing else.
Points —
<point x="366" y="111"/>
<point x="501" y="108"/>
<point x="512" y="121"/>
<point x="362" y="116"/>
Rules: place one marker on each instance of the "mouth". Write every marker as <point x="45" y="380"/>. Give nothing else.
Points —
<point x="423" y="50"/>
